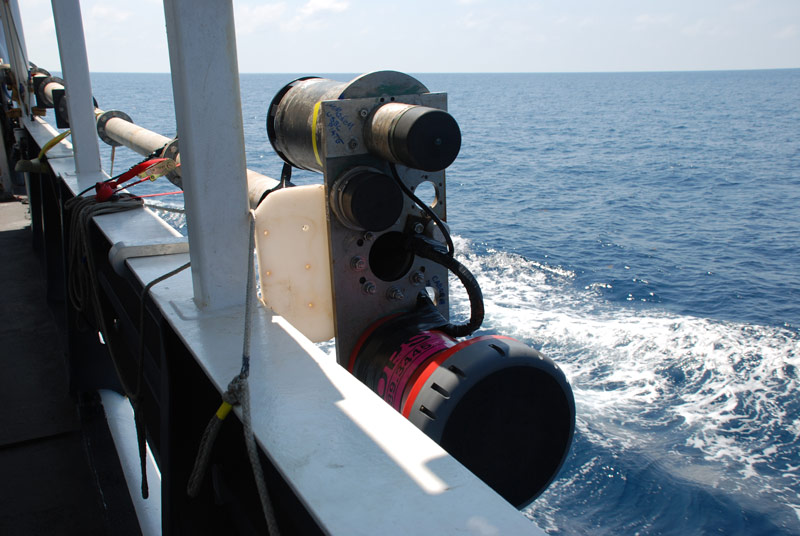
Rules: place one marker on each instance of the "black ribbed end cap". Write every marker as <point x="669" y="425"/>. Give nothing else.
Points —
<point x="426" y="138"/>
<point x="504" y="411"/>
<point x="372" y="200"/>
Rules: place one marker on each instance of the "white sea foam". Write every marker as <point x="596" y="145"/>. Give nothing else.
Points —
<point x="713" y="401"/>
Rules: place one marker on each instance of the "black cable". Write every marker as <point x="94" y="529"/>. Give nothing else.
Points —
<point x="286" y="181"/>
<point x="434" y="250"/>
<point x="136" y="397"/>
<point x="424" y="206"/>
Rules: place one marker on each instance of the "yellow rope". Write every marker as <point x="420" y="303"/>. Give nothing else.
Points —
<point x="52" y="143"/>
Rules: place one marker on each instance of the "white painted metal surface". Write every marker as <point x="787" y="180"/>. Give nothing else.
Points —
<point x="119" y="415"/>
<point x="5" y="171"/>
<point x="205" y="82"/>
<point x="15" y="47"/>
<point x="75" y="69"/>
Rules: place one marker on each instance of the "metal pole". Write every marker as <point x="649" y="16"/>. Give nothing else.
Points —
<point x="17" y="52"/>
<point x="134" y="137"/>
<point x="205" y="84"/>
<point x="119" y="129"/>
<point x="75" y="67"/>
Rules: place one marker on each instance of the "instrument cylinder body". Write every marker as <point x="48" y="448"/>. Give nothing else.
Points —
<point x="293" y="120"/>
<point x="498" y="406"/>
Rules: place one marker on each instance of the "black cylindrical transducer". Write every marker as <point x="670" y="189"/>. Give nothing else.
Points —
<point x="501" y="408"/>
<point x="293" y="117"/>
<point x="415" y="136"/>
<point x="367" y="200"/>
<point x="419" y="137"/>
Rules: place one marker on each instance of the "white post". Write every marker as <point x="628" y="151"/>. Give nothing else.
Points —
<point x="5" y="171"/>
<point x="16" y="52"/>
<point x="75" y="68"/>
<point x="205" y="84"/>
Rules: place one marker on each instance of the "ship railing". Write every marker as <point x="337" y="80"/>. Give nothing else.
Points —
<point x="336" y="459"/>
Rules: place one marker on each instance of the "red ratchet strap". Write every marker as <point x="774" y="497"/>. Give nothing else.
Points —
<point x="104" y="190"/>
<point x="138" y="168"/>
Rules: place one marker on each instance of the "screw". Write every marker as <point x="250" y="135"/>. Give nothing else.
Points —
<point x="395" y="294"/>
<point x="368" y="236"/>
<point x="358" y="264"/>
<point x="352" y="144"/>
<point x="369" y="288"/>
<point x="418" y="228"/>
<point x="363" y="112"/>
<point x="416" y="278"/>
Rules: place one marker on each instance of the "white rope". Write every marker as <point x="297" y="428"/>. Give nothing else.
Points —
<point x="238" y="392"/>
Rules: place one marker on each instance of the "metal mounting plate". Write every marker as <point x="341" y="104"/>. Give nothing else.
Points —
<point x="360" y="297"/>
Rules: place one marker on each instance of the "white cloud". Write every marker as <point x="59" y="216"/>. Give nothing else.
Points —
<point x="470" y="21"/>
<point x="647" y="20"/>
<point x="787" y="32"/>
<point x="704" y="28"/>
<point x="104" y="13"/>
<point x="306" y="18"/>
<point x="249" y="19"/>
<point x="316" y="6"/>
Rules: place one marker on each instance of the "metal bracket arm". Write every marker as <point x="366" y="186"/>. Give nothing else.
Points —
<point x="122" y="251"/>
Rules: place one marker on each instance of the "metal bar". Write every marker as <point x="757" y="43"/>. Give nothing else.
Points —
<point x="16" y="50"/>
<point x="75" y="66"/>
<point x="208" y="111"/>
<point x="145" y="142"/>
<point x="134" y="137"/>
<point x="5" y="170"/>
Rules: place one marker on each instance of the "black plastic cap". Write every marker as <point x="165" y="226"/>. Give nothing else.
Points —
<point x="373" y="201"/>
<point x="426" y="138"/>
<point x="503" y="410"/>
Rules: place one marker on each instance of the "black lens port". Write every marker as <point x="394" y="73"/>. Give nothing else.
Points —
<point x="390" y="258"/>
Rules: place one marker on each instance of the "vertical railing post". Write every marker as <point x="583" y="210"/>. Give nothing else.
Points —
<point x="16" y="51"/>
<point x="75" y="68"/>
<point x="5" y="171"/>
<point x="205" y="84"/>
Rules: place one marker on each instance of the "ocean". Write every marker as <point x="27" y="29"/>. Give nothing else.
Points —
<point x="643" y="230"/>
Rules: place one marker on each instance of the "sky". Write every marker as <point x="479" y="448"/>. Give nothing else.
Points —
<point x="419" y="36"/>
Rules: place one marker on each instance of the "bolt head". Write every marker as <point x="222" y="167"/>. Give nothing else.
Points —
<point x="358" y="264"/>
<point x="395" y="294"/>
<point x="369" y="288"/>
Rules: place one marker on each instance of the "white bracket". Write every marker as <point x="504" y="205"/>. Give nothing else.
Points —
<point x="122" y="251"/>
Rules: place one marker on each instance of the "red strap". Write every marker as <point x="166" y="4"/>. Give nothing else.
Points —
<point x="104" y="190"/>
<point x="138" y="168"/>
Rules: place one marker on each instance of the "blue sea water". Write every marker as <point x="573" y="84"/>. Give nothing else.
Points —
<point x="643" y="230"/>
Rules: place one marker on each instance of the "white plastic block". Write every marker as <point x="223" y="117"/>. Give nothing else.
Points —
<point x="294" y="260"/>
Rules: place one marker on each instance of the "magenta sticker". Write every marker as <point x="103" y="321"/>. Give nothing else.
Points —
<point x="406" y="360"/>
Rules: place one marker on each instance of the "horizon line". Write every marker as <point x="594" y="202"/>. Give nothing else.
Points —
<point x="654" y="71"/>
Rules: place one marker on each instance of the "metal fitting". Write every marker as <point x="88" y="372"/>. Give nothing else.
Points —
<point x="369" y="288"/>
<point x="395" y="294"/>
<point x="358" y="264"/>
<point x="101" y="125"/>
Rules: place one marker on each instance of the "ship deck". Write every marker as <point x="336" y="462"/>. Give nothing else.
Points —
<point x="59" y="474"/>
